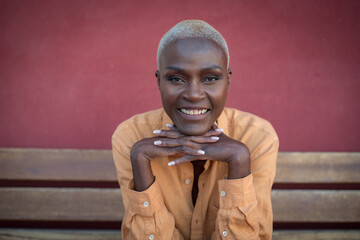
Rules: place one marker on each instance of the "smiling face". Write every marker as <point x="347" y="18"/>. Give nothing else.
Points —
<point x="193" y="80"/>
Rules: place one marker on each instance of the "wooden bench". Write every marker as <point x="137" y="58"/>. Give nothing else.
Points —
<point x="73" y="194"/>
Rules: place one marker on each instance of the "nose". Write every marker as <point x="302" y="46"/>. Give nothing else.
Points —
<point x="194" y="92"/>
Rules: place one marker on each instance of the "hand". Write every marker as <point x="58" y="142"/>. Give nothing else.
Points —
<point x="172" y="143"/>
<point x="168" y="143"/>
<point x="225" y="149"/>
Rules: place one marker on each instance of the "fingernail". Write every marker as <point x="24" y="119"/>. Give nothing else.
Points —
<point x="158" y="142"/>
<point x="171" y="163"/>
<point x="200" y="152"/>
<point x="219" y="129"/>
<point x="169" y="125"/>
<point x="215" y="138"/>
<point x="157" y="131"/>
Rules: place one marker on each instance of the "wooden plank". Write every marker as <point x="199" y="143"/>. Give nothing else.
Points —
<point x="61" y="204"/>
<point x="106" y="205"/>
<point x="310" y="167"/>
<point x="56" y="164"/>
<point x="318" y="234"/>
<point x="46" y="234"/>
<point x="97" y="165"/>
<point x="20" y="234"/>
<point x="316" y="205"/>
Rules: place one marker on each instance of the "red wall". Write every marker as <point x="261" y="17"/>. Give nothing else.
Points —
<point x="71" y="71"/>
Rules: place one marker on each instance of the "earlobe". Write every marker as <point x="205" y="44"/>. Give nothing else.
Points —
<point x="157" y="75"/>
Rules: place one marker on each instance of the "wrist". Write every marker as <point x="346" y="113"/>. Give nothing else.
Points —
<point x="239" y="164"/>
<point x="238" y="170"/>
<point x="141" y="168"/>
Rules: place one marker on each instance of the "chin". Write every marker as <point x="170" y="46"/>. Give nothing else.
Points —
<point x="193" y="131"/>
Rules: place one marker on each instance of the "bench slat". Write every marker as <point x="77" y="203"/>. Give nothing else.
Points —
<point x="76" y="204"/>
<point x="318" y="235"/>
<point x="46" y="234"/>
<point x="316" y="205"/>
<point x="106" y="205"/>
<point x="326" y="167"/>
<point x="97" y="165"/>
<point x="56" y="164"/>
<point x="20" y="234"/>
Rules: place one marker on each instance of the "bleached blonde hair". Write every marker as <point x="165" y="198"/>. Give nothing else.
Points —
<point x="192" y="29"/>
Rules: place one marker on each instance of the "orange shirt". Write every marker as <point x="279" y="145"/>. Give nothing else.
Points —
<point x="225" y="208"/>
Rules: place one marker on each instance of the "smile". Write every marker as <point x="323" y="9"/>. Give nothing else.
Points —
<point x="193" y="112"/>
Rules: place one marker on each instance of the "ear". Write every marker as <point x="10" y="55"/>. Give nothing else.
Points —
<point x="157" y="75"/>
<point x="229" y="74"/>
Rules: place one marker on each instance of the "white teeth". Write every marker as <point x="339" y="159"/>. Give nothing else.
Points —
<point x="193" y="112"/>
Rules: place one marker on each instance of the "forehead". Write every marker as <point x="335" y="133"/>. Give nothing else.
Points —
<point x="193" y="52"/>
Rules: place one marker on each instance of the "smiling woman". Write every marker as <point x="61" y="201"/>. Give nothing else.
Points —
<point x="195" y="169"/>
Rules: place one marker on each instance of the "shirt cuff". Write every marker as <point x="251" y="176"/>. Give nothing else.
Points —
<point x="147" y="202"/>
<point x="236" y="192"/>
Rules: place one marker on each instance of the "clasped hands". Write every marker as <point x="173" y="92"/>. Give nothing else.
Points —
<point x="213" y="145"/>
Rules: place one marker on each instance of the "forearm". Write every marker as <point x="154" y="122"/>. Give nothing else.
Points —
<point x="142" y="173"/>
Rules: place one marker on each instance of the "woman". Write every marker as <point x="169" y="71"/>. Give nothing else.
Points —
<point x="195" y="169"/>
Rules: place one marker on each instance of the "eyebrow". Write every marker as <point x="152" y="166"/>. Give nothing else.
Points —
<point x="204" y="69"/>
<point x="175" y="69"/>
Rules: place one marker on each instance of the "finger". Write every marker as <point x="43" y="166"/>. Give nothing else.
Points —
<point x="171" y="126"/>
<point x="176" y="142"/>
<point x="168" y="133"/>
<point x="186" y="158"/>
<point x="202" y="139"/>
<point x="216" y="128"/>
<point x="177" y="134"/>
<point x="183" y="150"/>
<point x="215" y="132"/>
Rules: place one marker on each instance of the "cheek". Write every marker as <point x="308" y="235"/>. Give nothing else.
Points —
<point x="168" y="96"/>
<point x="218" y="97"/>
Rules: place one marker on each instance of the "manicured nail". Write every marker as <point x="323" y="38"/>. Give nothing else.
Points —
<point x="169" y="125"/>
<point x="158" y="142"/>
<point x="171" y="163"/>
<point x="200" y="152"/>
<point x="215" y="138"/>
<point x="157" y="131"/>
<point x="219" y="129"/>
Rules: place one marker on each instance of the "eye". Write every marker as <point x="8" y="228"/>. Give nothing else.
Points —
<point x="175" y="79"/>
<point x="211" y="79"/>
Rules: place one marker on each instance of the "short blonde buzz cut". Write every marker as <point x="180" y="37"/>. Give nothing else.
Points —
<point x="192" y="29"/>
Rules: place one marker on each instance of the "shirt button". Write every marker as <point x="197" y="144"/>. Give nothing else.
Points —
<point x="187" y="181"/>
<point x="222" y="193"/>
<point x="145" y="204"/>
<point x="224" y="233"/>
<point x="151" y="237"/>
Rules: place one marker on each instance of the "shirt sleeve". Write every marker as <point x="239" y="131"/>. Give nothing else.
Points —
<point x="146" y="216"/>
<point x="245" y="204"/>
